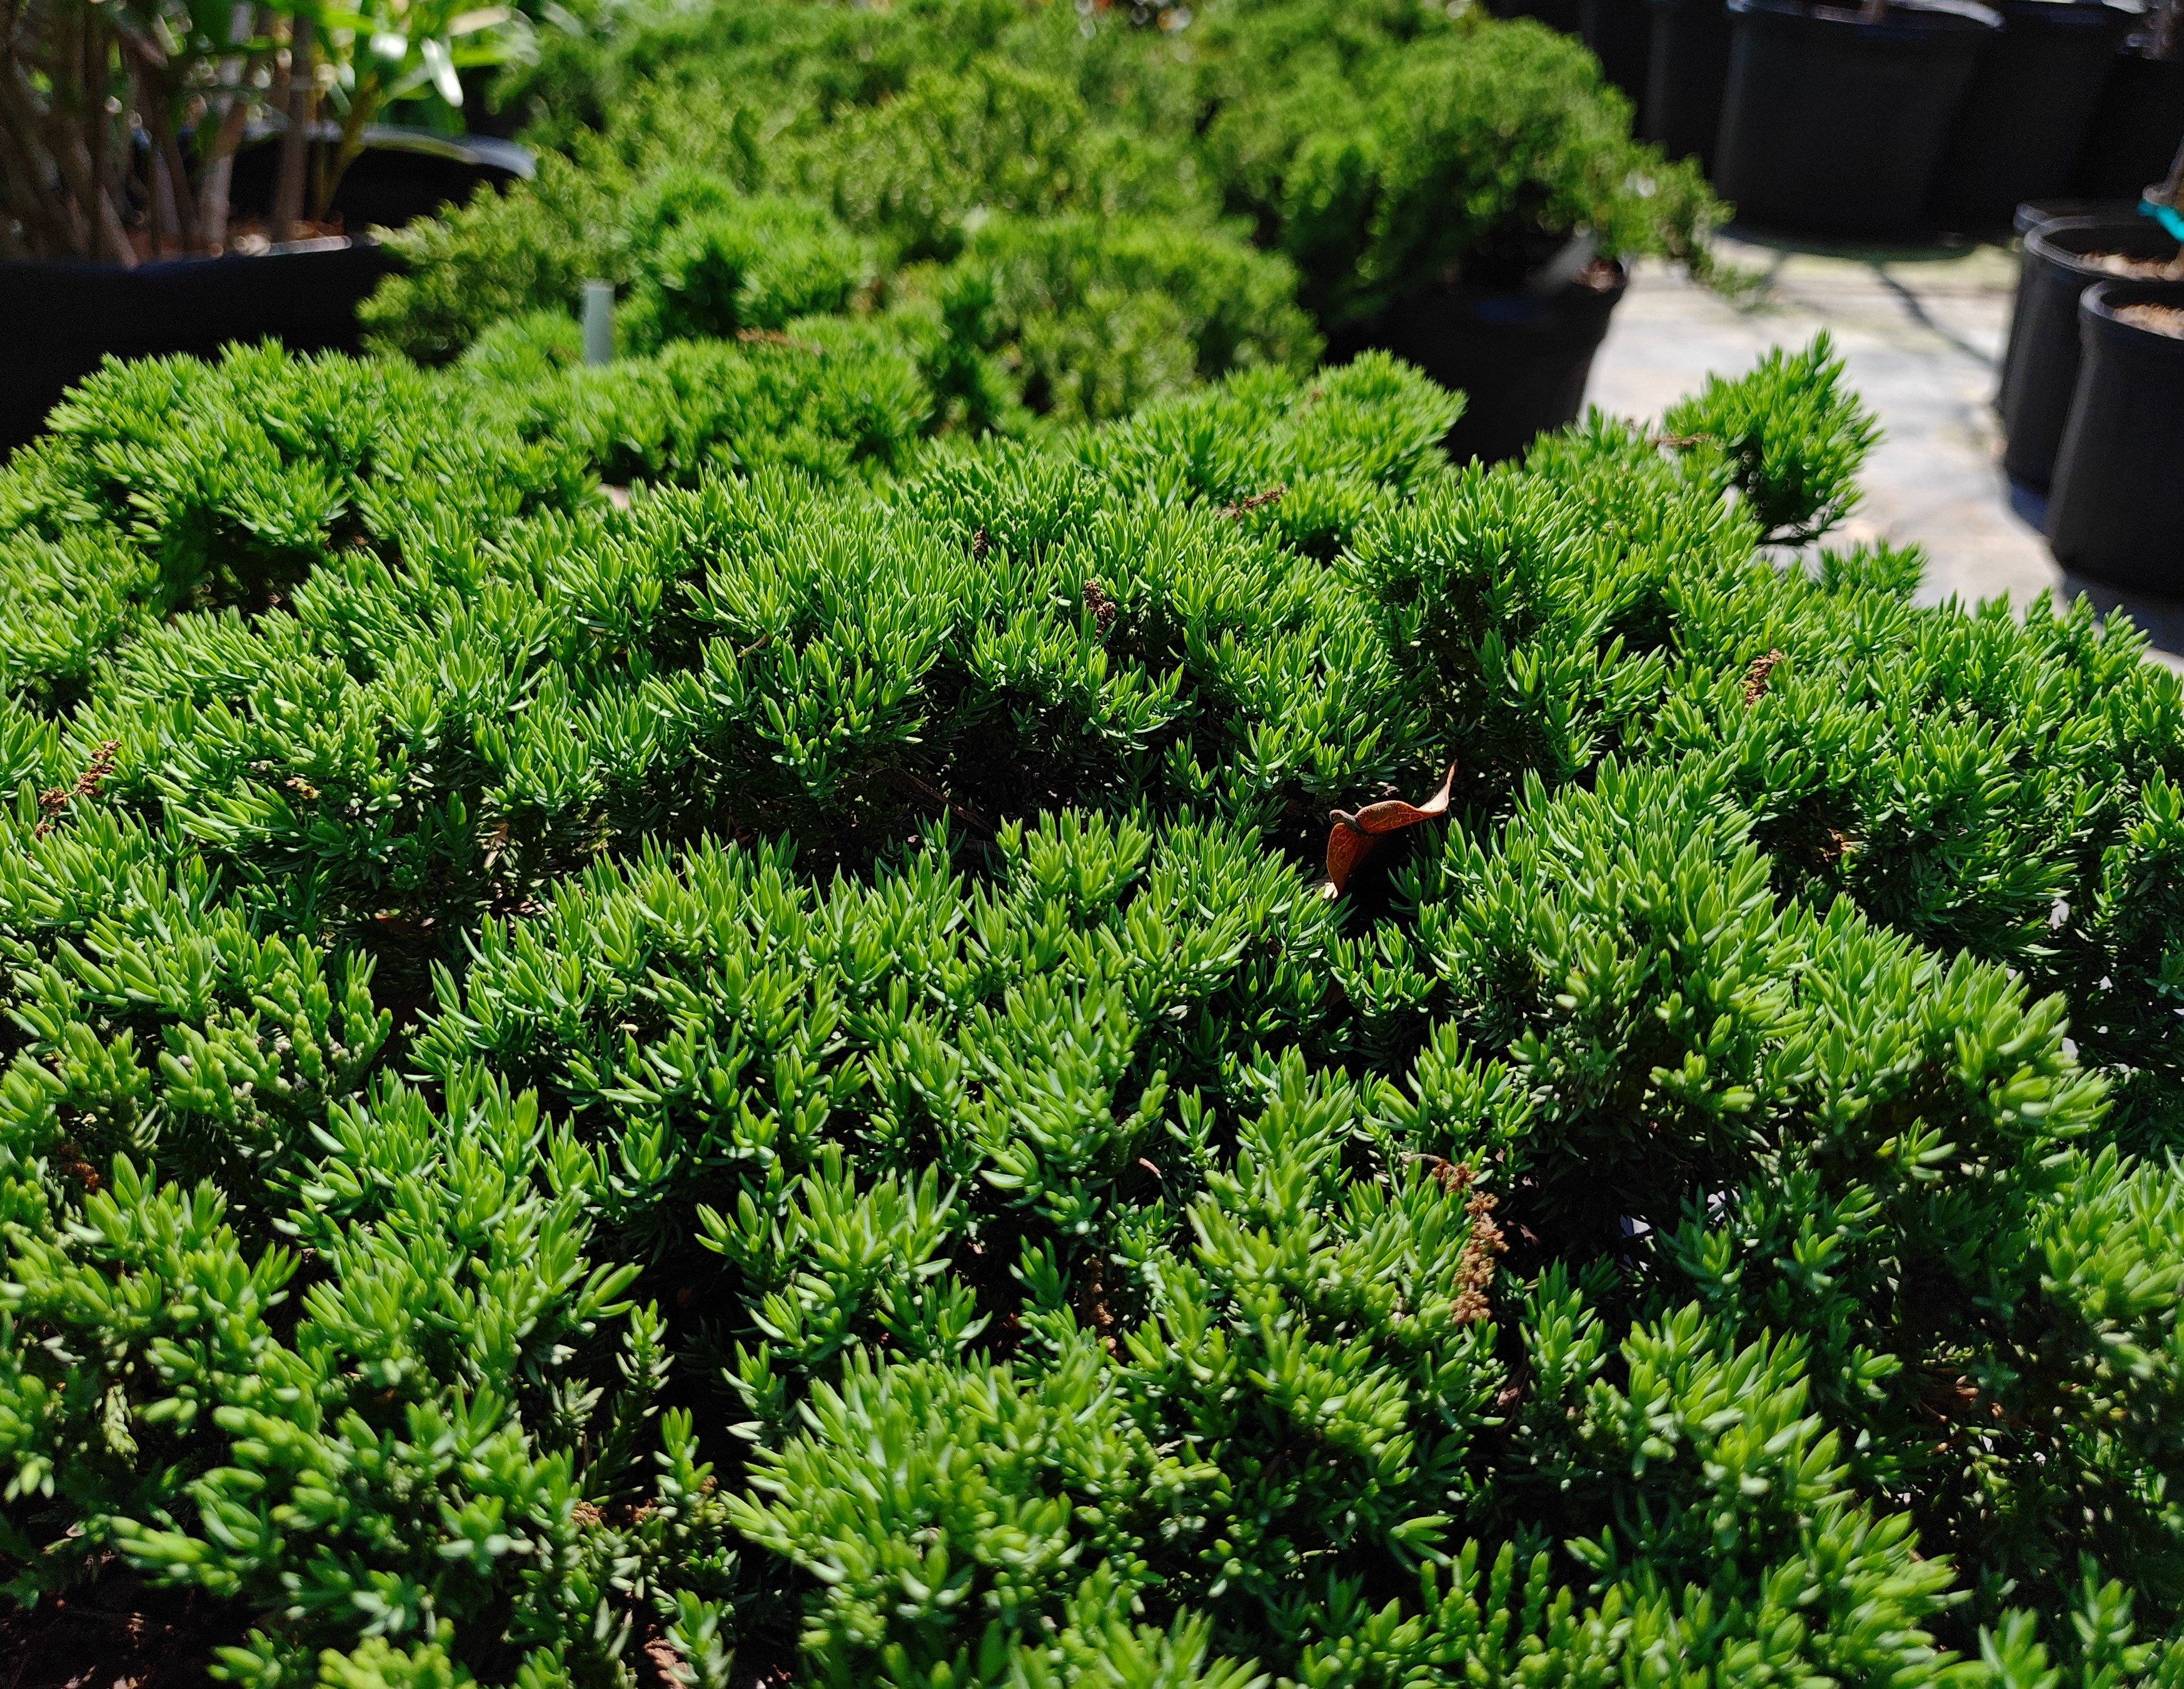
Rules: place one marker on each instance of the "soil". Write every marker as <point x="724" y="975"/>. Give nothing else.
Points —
<point x="2164" y="319"/>
<point x="116" y="1632"/>
<point x="246" y="237"/>
<point x="1601" y="275"/>
<point x="2137" y="269"/>
<point x="120" y="1632"/>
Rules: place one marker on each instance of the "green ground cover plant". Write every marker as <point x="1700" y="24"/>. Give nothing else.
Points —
<point x="754" y="1080"/>
<point x="1078" y="316"/>
<point x="1012" y="184"/>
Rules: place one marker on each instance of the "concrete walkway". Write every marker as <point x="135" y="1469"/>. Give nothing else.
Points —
<point x="1921" y="331"/>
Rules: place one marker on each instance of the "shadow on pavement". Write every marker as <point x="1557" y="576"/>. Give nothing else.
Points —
<point x="1941" y="249"/>
<point x="2159" y="618"/>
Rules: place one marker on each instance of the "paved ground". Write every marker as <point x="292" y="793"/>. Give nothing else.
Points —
<point x="1922" y="332"/>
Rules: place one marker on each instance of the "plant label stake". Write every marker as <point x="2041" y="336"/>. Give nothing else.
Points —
<point x="1352" y="838"/>
<point x="599" y="322"/>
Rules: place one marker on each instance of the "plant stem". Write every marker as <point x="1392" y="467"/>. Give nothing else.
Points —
<point x="27" y="175"/>
<point x="178" y="176"/>
<point x="70" y="156"/>
<point x="171" y="197"/>
<point x="72" y="167"/>
<point x="97" y="62"/>
<point x="2168" y="26"/>
<point x="360" y="110"/>
<point x="236" y="70"/>
<point x="55" y="132"/>
<point x="2170" y="193"/>
<point x="296" y="140"/>
<point x="117" y="236"/>
<point x="43" y="193"/>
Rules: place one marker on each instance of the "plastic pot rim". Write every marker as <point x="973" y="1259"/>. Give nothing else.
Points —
<point x="153" y="269"/>
<point x="1911" y="22"/>
<point x="2029" y="216"/>
<point x="2098" y="304"/>
<point x="2040" y="239"/>
<point x="2070" y="14"/>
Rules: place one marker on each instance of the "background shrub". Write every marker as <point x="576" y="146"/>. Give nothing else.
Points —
<point x="1458" y="157"/>
<point x="1069" y="171"/>
<point x="1082" y="317"/>
<point x="1089" y="318"/>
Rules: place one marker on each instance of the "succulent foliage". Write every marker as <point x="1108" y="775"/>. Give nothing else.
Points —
<point x="755" y="1078"/>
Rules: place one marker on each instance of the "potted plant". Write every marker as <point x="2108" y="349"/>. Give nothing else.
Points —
<point x="2041" y="365"/>
<point x="2117" y="511"/>
<point x="2141" y="115"/>
<point x="1620" y="33"/>
<point x="2024" y="117"/>
<point x="1686" y="72"/>
<point x="1833" y="120"/>
<point x="1467" y="203"/>
<point x="80" y="83"/>
<point x="377" y="55"/>
<point x="132" y="219"/>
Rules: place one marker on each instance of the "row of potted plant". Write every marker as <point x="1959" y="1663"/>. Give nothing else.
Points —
<point x="2092" y="390"/>
<point x="1883" y="117"/>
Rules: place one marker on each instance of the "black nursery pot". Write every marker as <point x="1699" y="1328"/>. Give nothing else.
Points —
<point x="1555" y="14"/>
<point x="1522" y="361"/>
<point x="2134" y="130"/>
<point x="1686" y="75"/>
<point x="2117" y="513"/>
<point x="58" y="319"/>
<point x="1620" y="33"/>
<point x="2039" y="368"/>
<point x="2037" y="213"/>
<point x="2025" y="117"/>
<point x="1835" y="126"/>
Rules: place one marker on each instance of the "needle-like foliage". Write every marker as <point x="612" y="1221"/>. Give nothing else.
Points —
<point x="755" y="1080"/>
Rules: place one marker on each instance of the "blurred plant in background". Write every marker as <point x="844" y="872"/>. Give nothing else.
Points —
<point x="120" y="120"/>
<point x="113" y="116"/>
<point x="409" y="53"/>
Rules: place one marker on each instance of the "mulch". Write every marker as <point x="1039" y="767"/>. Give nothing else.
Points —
<point x="116" y="1632"/>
